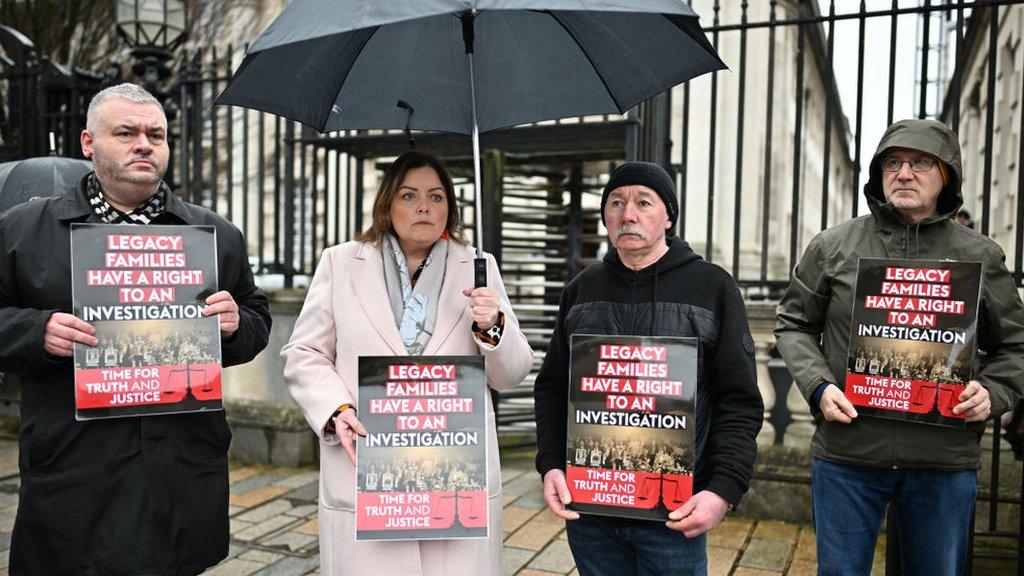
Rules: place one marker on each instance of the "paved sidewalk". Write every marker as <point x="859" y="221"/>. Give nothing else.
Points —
<point x="274" y="529"/>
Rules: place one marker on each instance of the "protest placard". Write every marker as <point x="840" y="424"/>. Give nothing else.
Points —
<point x="630" y="434"/>
<point x="913" y="338"/>
<point x="143" y="289"/>
<point x="422" y="471"/>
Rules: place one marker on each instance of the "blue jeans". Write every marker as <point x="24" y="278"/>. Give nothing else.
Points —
<point x="934" y="509"/>
<point x="605" y="546"/>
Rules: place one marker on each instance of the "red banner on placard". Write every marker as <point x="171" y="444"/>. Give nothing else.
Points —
<point x="146" y="385"/>
<point x="421" y="510"/>
<point x="628" y="488"/>
<point x="903" y="394"/>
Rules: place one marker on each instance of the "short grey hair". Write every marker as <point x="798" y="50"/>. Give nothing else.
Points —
<point x="125" y="91"/>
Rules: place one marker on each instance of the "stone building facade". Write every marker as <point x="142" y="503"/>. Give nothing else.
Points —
<point x="1002" y="219"/>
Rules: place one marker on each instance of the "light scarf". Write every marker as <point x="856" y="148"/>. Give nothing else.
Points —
<point x="414" y="307"/>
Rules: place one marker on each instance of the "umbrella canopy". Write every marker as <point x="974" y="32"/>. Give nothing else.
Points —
<point x="344" y="64"/>
<point x="22" y="180"/>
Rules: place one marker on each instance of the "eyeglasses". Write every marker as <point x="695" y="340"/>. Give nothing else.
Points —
<point x="919" y="164"/>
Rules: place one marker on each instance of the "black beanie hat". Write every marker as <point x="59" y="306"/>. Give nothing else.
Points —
<point x="644" y="174"/>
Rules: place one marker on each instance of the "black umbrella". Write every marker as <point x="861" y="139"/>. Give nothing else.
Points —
<point x="466" y="66"/>
<point x="23" y="180"/>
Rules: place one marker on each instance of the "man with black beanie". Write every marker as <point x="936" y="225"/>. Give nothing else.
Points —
<point x="652" y="284"/>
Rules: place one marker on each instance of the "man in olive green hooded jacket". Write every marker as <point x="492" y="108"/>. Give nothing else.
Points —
<point x="863" y="463"/>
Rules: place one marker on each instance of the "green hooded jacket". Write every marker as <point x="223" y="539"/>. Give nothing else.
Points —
<point x="814" y="315"/>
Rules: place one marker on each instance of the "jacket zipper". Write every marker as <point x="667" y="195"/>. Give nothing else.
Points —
<point x="904" y="239"/>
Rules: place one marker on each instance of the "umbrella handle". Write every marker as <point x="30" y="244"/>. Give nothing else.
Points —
<point x="479" y="272"/>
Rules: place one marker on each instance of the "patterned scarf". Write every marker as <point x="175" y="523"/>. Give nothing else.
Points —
<point x="414" y="297"/>
<point x="143" y="214"/>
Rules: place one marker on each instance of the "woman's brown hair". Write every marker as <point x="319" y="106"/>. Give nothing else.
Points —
<point x="389" y="185"/>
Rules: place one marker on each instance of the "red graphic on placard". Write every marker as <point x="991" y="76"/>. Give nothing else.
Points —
<point x="628" y="488"/>
<point x="146" y="385"/>
<point x="421" y="510"/>
<point x="949" y="397"/>
<point x="903" y="394"/>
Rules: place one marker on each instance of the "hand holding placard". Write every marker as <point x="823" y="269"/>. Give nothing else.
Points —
<point x="346" y="425"/>
<point x="63" y="330"/>
<point x="223" y="305"/>
<point x="835" y="406"/>
<point x="556" y="494"/>
<point x="701" y="513"/>
<point x="975" y="402"/>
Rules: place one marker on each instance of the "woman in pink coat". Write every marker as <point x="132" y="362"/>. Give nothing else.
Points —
<point x="403" y="287"/>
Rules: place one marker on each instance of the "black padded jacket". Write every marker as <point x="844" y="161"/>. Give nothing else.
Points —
<point x="679" y="295"/>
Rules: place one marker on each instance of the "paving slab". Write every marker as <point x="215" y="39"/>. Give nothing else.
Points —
<point x="754" y="572"/>
<point x="273" y="523"/>
<point x="513" y="559"/>
<point x="263" y="528"/>
<point x="771" y="530"/>
<point x="261" y="556"/>
<point x="302" y="510"/>
<point x="256" y="496"/>
<point x="258" y="481"/>
<point x="721" y="560"/>
<point x="235" y="526"/>
<point x="535" y="534"/>
<point x="732" y="533"/>
<point x="242" y="472"/>
<point x="310" y="527"/>
<point x="771" y="555"/>
<point x="308" y="493"/>
<point x="555" y="558"/>
<point x="234" y="567"/>
<point x="513" y="517"/>
<point x="533" y="500"/>
<point x="292" y="540"/>
<point x="261" y="513"/>
<point x="522" y="485"/>
<point x="299" y="479"/>
<point x="290" y="566"/>
<point x="807" y="546"/>
<point x="802" y="568"/>
<point x="509" y="473"/>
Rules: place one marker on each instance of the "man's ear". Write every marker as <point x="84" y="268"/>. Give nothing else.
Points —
<point x="86" y="139"/>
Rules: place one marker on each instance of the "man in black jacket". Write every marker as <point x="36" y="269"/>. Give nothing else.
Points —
<point x="653" y="284"/>
<point x="128" y="496"/>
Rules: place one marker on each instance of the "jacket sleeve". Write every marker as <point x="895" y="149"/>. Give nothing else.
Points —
<point x="801" y="321"/>
<point x="21" y="329"/>
<point x="511" y="359"/>
<point x="253" y="314"/>
<point x="736" y="405"/>
<point x="309" y="355"/>
<point x="551" y="396"/>
<point x="1001" y="334"/>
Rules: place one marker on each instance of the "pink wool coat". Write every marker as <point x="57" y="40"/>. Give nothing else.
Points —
<point x="347" y="315"/>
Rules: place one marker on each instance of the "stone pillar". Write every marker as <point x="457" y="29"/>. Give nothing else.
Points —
<point x="267" y="425"/>
<point x="761" y="315"/>
<point x="801" y="428"/>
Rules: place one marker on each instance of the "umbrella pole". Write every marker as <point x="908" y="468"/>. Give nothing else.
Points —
<point x="479" y="263"/>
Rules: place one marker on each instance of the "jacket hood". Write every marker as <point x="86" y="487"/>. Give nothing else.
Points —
<point x="679" y="254"/>
<point x="928" y="136"/>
